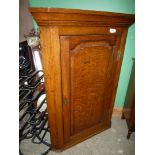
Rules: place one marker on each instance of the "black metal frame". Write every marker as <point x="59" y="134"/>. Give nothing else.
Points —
<point x="33" y="118"/>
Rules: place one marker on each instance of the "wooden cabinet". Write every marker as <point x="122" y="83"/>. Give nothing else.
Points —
<point x="81" y="54"/>
<point x="129" y="105"/>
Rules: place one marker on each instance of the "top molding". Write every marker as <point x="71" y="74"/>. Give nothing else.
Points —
<point x="76" y="17"/>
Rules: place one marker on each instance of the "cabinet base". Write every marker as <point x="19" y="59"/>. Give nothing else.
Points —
<point x="82" y="138"/>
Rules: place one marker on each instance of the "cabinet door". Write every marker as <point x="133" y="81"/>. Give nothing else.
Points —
<point x="88" y="70"/>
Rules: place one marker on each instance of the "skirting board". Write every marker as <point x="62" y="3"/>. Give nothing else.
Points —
<point x="117" y="112"/>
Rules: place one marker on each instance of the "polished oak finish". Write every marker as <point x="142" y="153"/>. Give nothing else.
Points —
<point x="82" y="54"/>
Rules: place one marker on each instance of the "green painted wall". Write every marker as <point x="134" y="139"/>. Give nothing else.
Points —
<point x="122" y="6"/>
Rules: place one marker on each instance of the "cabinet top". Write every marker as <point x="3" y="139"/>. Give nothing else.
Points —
<point x="76" y="17"/>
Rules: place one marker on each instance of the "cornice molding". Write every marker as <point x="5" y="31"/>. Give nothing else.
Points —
<point x="75" y="17"/>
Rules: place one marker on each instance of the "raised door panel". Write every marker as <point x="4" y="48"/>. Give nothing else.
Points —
<point x="88" y="71"/>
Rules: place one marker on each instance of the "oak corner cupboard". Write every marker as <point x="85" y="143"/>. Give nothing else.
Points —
<point x="81" y="54"/>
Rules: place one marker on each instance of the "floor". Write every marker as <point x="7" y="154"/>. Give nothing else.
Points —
<point x="110" y="142"/>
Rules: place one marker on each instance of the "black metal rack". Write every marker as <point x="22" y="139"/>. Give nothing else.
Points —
<point x="33" y="115"/>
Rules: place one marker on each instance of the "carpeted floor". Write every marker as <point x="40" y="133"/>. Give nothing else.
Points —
<point x="110" y="142"/>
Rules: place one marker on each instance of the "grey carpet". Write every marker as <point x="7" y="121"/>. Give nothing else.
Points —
<point x="110" y="142"/>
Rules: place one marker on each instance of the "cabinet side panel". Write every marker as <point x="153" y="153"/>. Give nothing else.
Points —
<point x="50" y="47"/>
<point x="118" y="69"/>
